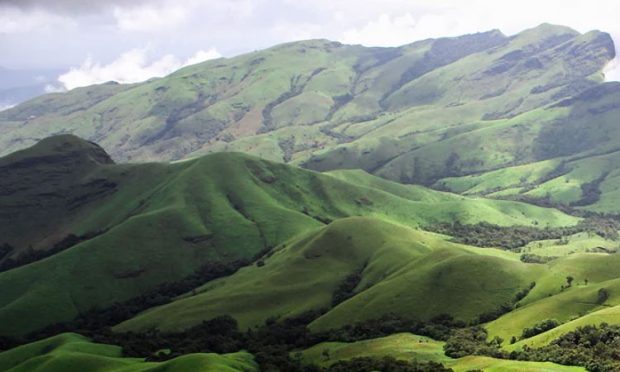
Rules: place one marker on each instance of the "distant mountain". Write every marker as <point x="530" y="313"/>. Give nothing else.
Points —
<point x="447" y="112"/>
<point x="316" y="202"/>
<point x="17" y="86"/>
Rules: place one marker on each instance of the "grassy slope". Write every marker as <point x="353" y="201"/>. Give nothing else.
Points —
<point x="379" y="100"/>
<point x="408" y="272"/>
<point x="211" y="105"/>
<point x="72" y="352"/>
<point x="407" y="346"/>
<point x="590" y="120"/>
<point x="235" y="204"/>
<point x="412" y="273"/>
<point x="474" y="114"/>
<point x="548" y="301"/>
<point x="577" y="243"/>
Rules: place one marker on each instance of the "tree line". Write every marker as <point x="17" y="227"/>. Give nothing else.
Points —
<point x="485" y="234"/>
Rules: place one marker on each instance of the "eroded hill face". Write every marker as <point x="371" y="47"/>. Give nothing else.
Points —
<point x="447" y="112"/>
<point x="351" y="106"/>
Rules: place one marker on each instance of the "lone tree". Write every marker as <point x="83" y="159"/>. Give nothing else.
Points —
<point x="569" y="280"/>
<point x="603" y="295"/>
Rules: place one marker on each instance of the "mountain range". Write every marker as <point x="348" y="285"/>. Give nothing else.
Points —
<point x="316" y="204"/>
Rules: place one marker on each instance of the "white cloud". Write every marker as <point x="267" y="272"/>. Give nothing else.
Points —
<point x="612" y="71"/>
<point x="401" y="21"/>
<point x="202" y="56"/>
<point x="15" y="21"/>
<point x="107" y="28"/>
<point x="131" y="67"/>
<point x="385" y="31"/>
<point x="148" y="18"/>
<point x="54" y="88"/>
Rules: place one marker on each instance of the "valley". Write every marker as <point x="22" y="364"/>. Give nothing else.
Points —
<point x="449" y="204"/>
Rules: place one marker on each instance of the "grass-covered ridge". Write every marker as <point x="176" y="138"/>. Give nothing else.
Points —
<point x="371" y="108"/>
<point x="147" y="224"/>
<point x="72" y="352"/>
<point x="403" y="271"/>
<point x="408" y="346"/>
<point x="525" y="116"/>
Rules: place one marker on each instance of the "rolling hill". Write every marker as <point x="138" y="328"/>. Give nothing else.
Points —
<point x="402" y="271"/>
<point x="345" y="182"/>
<point x="501" y="116"/>
<point x="101" y="232"/>
<point x="72" y="352"/>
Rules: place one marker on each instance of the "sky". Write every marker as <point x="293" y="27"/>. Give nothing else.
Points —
<point x="95" y="41"/>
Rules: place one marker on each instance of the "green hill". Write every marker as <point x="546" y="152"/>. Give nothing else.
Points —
<point x="410" y="273"/>
<point x="407" y="346"/>
<point x="72" y="352"/>
<point x="83" y="232"/>
<point x="403" y="271"/>
<point x="309" y="177"/>
<point x="520" y="116"/>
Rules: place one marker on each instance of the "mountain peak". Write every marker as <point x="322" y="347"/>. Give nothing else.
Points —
<point x="60" y="147"/>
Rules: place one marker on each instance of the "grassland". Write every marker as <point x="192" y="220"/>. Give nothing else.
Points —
<point x="576" y="305"/>
<point x="488" y="118"/>
<point x="480" y="114"/>
<point x="403" y="271"/>
<point x="72" y="352"/>
<point x="158" y="223"/>
<point x="407" y="346"/>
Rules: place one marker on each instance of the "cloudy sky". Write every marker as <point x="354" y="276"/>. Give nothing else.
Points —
<point x="132" y="40"/>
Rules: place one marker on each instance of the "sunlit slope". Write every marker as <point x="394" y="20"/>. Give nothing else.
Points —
<point x="403" y="271"/>
<point x="157" y="223"/>
<point x="407" y="346"/>
<point x="72" y="352"/>
<point x="329" y="105"/>
<point x="576" y="305"/>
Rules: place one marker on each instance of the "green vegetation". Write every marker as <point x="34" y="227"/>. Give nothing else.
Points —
<point x="539" y="328"/>
<point x="478" y="114"/>
<point x="595" y="348"/>
<point x="289" y="282"/>
<point x="72" y="352"/>
<point x="406" y="347"/>
<point x="221" y="260"/>
<point x="133" y="236"/>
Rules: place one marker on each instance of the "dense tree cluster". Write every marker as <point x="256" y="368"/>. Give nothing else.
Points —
<point x="272" y="344"/>
<point x="590" y="192"/>
<point x="5" y="249"/>
<point x="539" y="328"/>
<point x="504" y="308"/>
<point x="592" y="347"/>
<point x="486" y="234"/>
<point x="386" y="364"/>
<point x="30" y="255"/>
<point x="346" y="289"/>
<point x="472" y="341"/>
<point x="536" y="259"/>
<point x="595" y="348"/>
<point x="602" y="296"/>
<point x="439" y="328"/>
